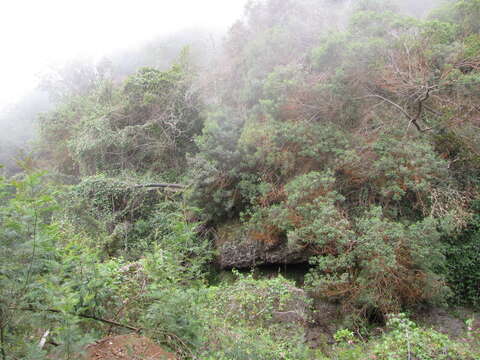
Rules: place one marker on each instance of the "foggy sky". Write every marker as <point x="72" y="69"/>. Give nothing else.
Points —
<point x="35" y="34"/>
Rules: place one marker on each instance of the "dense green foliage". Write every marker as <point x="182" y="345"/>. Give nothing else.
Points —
<point x="364" y="150"/>
<point x="405" y="340"/>
<point x="147" y="124"/>
<point x="462" y="266"/>
<point x="345" y="132"/>
<point x="62" y="277"/>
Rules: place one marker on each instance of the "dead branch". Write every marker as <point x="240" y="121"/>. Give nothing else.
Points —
<point x="43" y="340"/>
<point x="412" y="120"/>
<point x="402" y="110"/>
<point x="91" y="317"/>
<point x="162" y="186"/>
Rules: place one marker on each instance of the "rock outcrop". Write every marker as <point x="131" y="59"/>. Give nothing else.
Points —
<point x="239" y="248"/>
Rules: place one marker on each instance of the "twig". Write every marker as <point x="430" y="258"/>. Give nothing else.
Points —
<point x="43" y="340"/>
<point x="412" y="120"/>
<point x="173" y="186"/>
<point x="110" y="322"/>
<point x="402" y="110"/>
<point x="140" y="293"/>
<point x="27" y="278"/>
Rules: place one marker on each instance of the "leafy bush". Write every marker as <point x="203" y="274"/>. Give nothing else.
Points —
<point x="384" y="268"/>
<point x="149" y="125"/>
<point x="462" y="265"/>
<point x="403" y="340"/>
<point x="42" y="286"/>
<point x="243" y="321"/>
<point x="406" y="340"/>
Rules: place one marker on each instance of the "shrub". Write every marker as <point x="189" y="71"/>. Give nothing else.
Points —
<point x="407" y="341"/>
<point x="385" y="267"/>
<point x="243" y="321"/>
<point x="463" y="262"/>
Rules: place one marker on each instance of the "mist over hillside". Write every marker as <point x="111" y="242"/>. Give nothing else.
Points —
<point x="206" y="47"/>
<point x="76" y="77"/>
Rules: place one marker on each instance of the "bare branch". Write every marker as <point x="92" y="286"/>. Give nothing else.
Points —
<point x="43" y="340"/>
<point x="161" y="186"/>
<point x="91" y="317"/>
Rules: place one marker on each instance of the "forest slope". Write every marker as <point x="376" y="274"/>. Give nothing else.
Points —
<point x="341" y="135"/>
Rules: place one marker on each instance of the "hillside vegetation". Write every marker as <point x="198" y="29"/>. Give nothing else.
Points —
<point x="339" y="135"/>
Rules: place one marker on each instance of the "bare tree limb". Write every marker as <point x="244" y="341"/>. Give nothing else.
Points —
<point x="402" y="110"/>
<point x="105" y="321"/>
<point x="412" y="120"/>
<point x="163" y="186"/>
